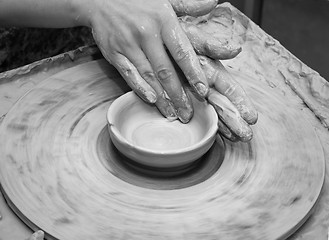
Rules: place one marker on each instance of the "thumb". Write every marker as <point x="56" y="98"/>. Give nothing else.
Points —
<point x="205" y="44"/>
<point x="193" y="7"/>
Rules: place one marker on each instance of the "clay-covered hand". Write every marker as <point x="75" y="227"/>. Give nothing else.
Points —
<point x="134" y="35"/>
<point x="38" y="235"/>
<point x="234" y="108"/>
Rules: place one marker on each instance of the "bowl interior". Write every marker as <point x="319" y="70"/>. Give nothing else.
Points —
<point x="142" y="126"/>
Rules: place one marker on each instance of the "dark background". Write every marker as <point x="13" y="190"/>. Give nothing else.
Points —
<point x="301" y="26"/>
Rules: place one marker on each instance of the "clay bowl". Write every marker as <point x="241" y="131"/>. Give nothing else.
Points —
<point x="143" y="135"/>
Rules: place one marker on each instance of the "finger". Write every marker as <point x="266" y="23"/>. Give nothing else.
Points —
<point x="182" y="52"/>
<point x="142" y="64"/>
<point x="230" y="116"/>
<point x="226" y="132"/>
<point x="132" y="77"/>
<point x="206" y="44"/>
<point x="224" y="83"/>
<point x="38" y="235"/>
<point x="193" y="7"/>
<point x="166" y="107"/>
<point x="222" y="128"/>
<point x="168" y="78"/>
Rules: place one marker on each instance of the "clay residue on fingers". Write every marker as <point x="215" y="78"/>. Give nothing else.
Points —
<point x="184" y="107"/>
<point x="224" y="83"/>
<point x="222" y="15"/>
<point x="230" y="116"/>
<point x="247" y="110"/>
<point x="131" y="75"/>
<point x="206" y="44"/>
<point x="38" y="235"/>
<point x="166" y="107"/>
<point x="184" y="55"/>
<point x="217" y="49"/>
<point x="226" y="132"/>
<point x="218" y="25"/>
<point x="147" y="96"/>
<point x="193" y="8"/>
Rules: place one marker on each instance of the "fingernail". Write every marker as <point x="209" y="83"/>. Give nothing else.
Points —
<point x="151" y="97"/>
<point x="185" y="114"/>
<point x="201" y="89"/>
<point x="171" y="113"/>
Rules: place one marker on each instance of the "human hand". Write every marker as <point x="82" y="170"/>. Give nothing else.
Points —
<point x="234" y="108"/>
<point x="133" y="36"/>
<point x="38" y="235"/>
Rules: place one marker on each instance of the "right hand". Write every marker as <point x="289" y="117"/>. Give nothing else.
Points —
<point x="132" y="36"/>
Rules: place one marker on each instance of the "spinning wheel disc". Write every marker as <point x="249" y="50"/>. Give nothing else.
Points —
<point x="60" y="173"/>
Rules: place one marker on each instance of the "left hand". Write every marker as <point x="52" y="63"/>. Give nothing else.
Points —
<point x="234" y="108"/>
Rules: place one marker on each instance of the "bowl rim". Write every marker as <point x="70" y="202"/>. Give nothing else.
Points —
<point x="210" y="133"/>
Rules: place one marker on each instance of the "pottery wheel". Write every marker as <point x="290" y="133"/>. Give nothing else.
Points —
<point x="60" y="173"/>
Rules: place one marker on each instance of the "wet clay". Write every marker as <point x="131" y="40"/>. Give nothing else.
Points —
<point x="56" y="178"/>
